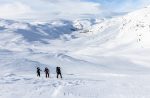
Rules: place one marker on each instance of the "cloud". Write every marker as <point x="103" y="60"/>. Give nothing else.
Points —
<point x="75" y="8"/>
<point x="14" y="10"/>
<point x="70" y="9"/>
<point x="49" y="9"/>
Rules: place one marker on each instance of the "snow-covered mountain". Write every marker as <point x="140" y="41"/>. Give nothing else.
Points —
<point x="109" y="44"/>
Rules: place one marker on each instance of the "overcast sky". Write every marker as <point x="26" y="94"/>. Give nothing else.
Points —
<point x="66" y="9"/>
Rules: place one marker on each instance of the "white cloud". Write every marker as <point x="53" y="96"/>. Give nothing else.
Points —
<point x="72" y="9"/>
<point x="14" y="10"/>
<point x="49" y="9"/>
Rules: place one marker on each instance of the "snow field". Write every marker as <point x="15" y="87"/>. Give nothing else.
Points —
<point x="75" y="86"/>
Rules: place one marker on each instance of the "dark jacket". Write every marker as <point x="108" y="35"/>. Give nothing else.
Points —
<point x="46" y="70"/>
<point x="58" y="70"/>
<point x="38" y="70"/>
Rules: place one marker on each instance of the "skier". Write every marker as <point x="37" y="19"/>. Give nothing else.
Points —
<point x="46" y="72"/>
<point x="38" y="71"/>
<point x="58" y="71"/>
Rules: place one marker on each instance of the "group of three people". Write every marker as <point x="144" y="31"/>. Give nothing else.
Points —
<point x="58" y="71"/>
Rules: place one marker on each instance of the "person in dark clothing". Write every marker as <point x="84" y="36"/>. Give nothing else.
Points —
<point x="58" y="71"/>
<point x="46" y="72"/>
<point x="38" y="71"/>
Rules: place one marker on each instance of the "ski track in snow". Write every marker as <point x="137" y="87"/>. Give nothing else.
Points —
<point x="57" y="91"/>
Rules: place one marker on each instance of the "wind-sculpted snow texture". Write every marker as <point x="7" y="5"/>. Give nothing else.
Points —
<point x="99" y="58"/>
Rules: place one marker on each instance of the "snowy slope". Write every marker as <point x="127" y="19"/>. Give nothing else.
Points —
<point x="90" y="41"/>
<point x="106" y="58"/>
<point x="118" y="39"/>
